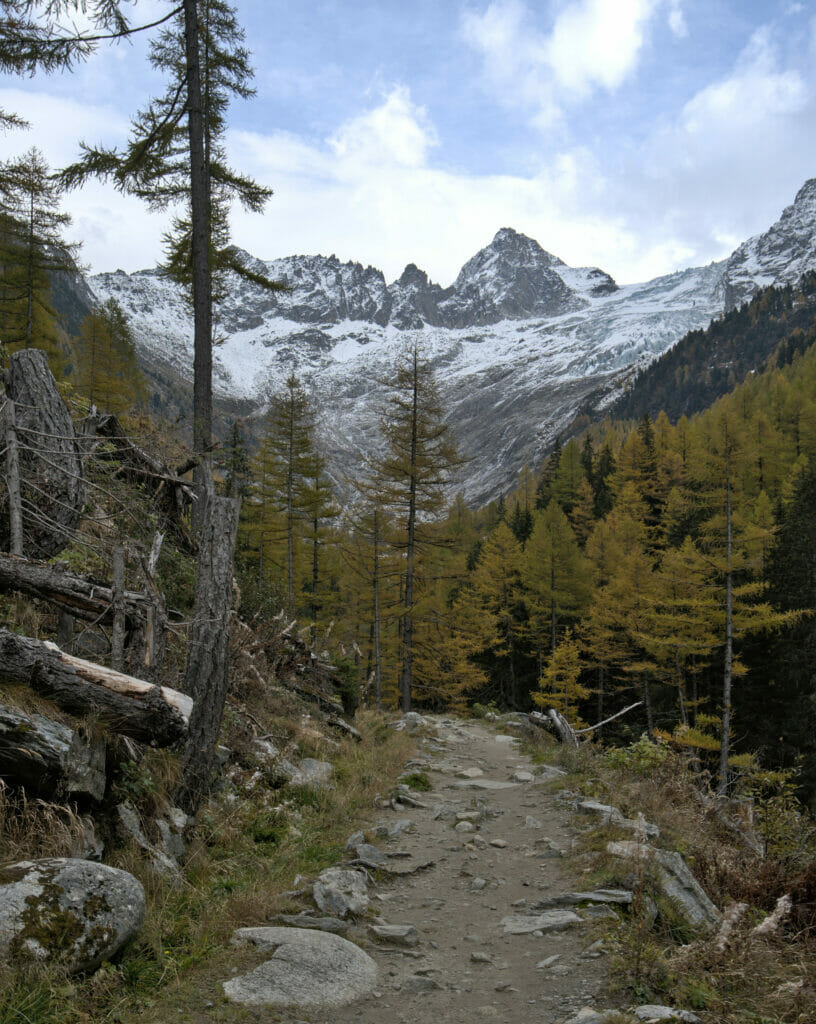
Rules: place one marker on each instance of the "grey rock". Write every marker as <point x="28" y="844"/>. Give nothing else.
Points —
<point x="676" y="882"/>
<point x="340" y="892"/>
<point x="478" y="957"/>
<point x="552" y="921"/>
<point x="523" y="776"/>
<point x="478" y="884"/>
<point x="654" y="1014"/>
<point x="486" y="784"/>
<point x="310" y="772"/>
<point x="623" y="897"/>
<point x="605" y="813"/>
<point x="305" y="920"/>
<point x="465" y="826"/>
<point x="410" y="721"/>
<point x="371" y="856"/>
<point x="308" y="969"/>
<point x="469" y="773"/>
<point x="419" y="983"/>
<point x="354" y="840"/>
<point x="129" y="828"/>
<point x="395" y="934"/>
<point x="68" y="911"/>
<point x="170" y="840"/>
<point x="88" y="845"/>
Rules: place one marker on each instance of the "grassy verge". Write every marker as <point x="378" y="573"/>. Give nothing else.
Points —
<point x="748" y="979"/>
<point x="247" y="852"/>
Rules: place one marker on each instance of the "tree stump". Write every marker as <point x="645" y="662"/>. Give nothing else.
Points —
<point x="51" y="480"/>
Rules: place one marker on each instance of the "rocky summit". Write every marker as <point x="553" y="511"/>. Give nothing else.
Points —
<point x="522" y="342"/>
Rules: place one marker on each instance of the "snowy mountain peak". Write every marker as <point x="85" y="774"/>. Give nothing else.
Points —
<point x="521" y="341"/>
<point x="779" y="256"/>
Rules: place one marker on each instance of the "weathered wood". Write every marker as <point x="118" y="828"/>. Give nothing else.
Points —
<point x="51" y="480"/>
<point x="80" y="596"/>
<point x="15" y="502"/>
<point x="133" y="707"/>
<point x="555" y="722"/>
<point x="49" y="759"/>
<point x="606" y="721"/>
<point x="118" y="606"/>
<point x="207" y="670"/>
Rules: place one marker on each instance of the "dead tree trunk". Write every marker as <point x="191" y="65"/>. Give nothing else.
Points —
<point x="48" y="759"/>
<point x="13" y="483"/>
<point x="152" y="714"/>
<point x="80" y="596"/>
<point x="51" y="482"/>
<point x="118" y="602"/>
<point x="207" y="669"/>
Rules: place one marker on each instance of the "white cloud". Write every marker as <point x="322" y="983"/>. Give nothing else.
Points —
<point x="677" y="19"/>
<point x="592" y="44"/>
<point x="397" y="133"/>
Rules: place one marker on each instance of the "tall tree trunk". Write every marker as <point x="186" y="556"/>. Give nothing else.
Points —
<point x="290" y="507"/>
<point x="13" y="483"/>
<point x="647" y="700"/>
<point x="408" y="622"/>
<point x="600" y="704"/>
<point x="30" y="279"/>
<point x="200" y="236"/>
<point x="207" y="671"/>
<point x="725" y="740"/>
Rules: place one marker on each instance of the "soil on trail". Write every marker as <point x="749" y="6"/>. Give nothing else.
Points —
<point x="466" y="967"/>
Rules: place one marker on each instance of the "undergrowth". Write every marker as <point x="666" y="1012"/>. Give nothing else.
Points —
<point x="658" y="958"/>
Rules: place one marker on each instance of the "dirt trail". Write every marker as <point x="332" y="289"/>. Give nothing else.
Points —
<point x="466" y="968"/>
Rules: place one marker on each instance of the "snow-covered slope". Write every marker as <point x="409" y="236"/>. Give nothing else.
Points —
<point x="521" y="341"/>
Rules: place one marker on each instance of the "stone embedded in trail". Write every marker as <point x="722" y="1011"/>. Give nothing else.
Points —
<point x="340" y="892"/>
<point x="67" y="911"/>
<point x="499" y="844"/>
<point x="469" y="773"/>
<point x="419" y="983"/>
<point x="605" y="812"/>
<point x="371" y="856"/>
<point x="485" y="784"/>
<point x="503" y="738"/>
<point x="525" y="924"/>
<point x="410" y="721"/>
<point x="619" y="896"/>
<point x="308" y="969"/>
<point x="396" y="934"/>
<point x="305" y="920"/>
<point x="465" y="826"/>
<point x="523" y="776"/>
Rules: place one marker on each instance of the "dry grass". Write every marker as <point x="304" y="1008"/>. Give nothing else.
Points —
<point x="244" y="855"/>
<point x="752" y="981"/>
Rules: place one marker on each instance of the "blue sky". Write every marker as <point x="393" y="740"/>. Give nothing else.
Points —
<point x="641" y="136"/>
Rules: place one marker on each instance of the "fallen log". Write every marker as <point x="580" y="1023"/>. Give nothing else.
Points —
<point x="81" y="596"/>
<point x="152" y="714"/>
<point x="49" y="759"/>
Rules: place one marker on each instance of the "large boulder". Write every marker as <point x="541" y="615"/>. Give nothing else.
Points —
<point x="67" y="911"/>
<point x="309" y="969"/>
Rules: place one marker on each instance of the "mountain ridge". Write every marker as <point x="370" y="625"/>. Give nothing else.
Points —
<point x="523" y="343"/>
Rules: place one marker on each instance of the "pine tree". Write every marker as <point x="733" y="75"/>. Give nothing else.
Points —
<point x="555" y="575"/>
<point x="175" y="154"/>
<point x="236" y="466"/>
<point x="559" y="686"/>
<point x="32" y="249"/>
<point x="418" y="463"/>
<point x="109" y="375"/>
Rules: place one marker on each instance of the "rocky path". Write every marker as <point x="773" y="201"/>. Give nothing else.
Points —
<point x="483" y="943"/>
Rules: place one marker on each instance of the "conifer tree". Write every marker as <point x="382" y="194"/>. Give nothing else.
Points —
<point x="32" y="248"/>
<point x="560" y="687"/>
<point x="418" y="463"/>
<point x="175" y="154"/>
<point x="109" y="375"/>
<point x="236" y="466"/>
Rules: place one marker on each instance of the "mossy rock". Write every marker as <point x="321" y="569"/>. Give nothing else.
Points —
<point x="67" y="911"/>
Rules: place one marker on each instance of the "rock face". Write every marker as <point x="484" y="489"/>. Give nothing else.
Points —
<point x="779" y="256"/>
<point x="311" y="970"/>
<point x="67" y="911"/>
<point x="520" y="341"/>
